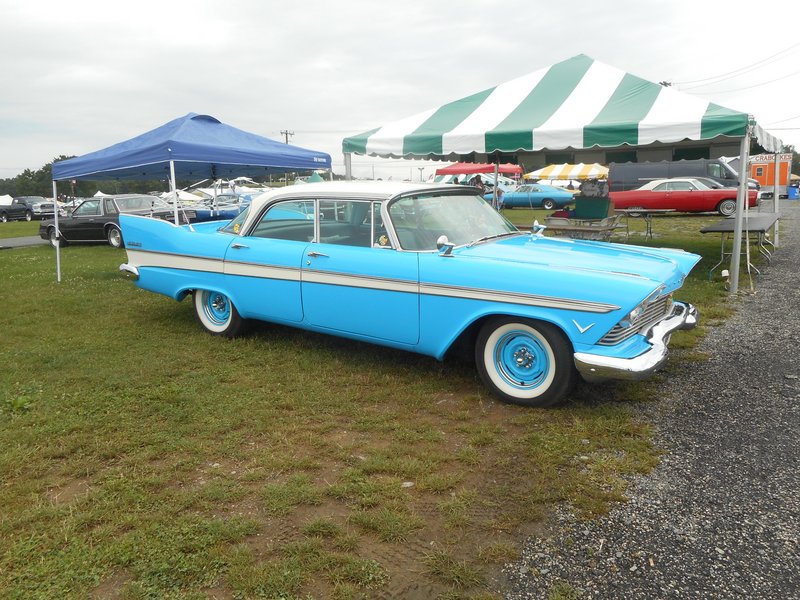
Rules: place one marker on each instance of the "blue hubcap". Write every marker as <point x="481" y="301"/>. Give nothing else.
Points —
<point x="217" y="307"/>
<point x="521" y="360"/>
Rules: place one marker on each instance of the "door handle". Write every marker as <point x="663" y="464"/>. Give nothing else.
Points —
<point x="314" y="254"/>
<point x="237" y="245"/>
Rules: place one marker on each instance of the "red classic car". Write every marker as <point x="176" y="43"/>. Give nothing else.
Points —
<point x="683" y="195"/>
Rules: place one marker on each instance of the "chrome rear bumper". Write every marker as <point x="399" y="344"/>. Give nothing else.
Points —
<point x="594" y="367"/>
<point x="126" y="268"/>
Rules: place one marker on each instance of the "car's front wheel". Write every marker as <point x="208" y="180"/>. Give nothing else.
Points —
<point x="28" y="215"/>
<point x="548" y="204"/>
<point x="53" y="237"/>
<point x="114" y="237"/>
<point x="3" y="218"/>
<point x="727" y="207"/>
<point x="525" y="362"/>
<point x="217" y="314"/>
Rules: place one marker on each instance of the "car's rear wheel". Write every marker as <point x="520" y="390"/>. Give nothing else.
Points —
<point x="28" y="215"/>
<point x="525" y="362"/>
<point x="548" y="204"/>
<point x="217" y="314"/>
<point x="114" y="237"/>
<point x="727" y="207"/>
<point x="3" y="218"/>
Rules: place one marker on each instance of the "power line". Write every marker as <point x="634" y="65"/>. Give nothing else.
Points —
<point x="739" y="71"/>
<point x="784" y="120"/>
<point x="748" y="87"/>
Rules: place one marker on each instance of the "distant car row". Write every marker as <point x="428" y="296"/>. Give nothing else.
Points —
<point x="97" y="219"/>
<point x="682" y="194"/>
<point x="26" y="208"/>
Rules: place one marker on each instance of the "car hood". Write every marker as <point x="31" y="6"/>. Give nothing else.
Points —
<point x="605" y="260"/>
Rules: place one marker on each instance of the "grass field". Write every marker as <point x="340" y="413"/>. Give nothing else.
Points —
<point x="19" y="229"/>
<point x="142" y="458"/>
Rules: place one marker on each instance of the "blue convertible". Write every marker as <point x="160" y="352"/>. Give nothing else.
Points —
<point x="425" y="268"/>
<point x="535" y="195"/>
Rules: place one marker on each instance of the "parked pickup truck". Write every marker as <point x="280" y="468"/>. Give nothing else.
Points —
<point x="17" y="209"/>
<point x="41" y="207"/>
<point x="682" y="195"/>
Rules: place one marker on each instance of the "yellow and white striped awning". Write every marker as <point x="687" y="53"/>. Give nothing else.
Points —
<point x="567" y="171"/>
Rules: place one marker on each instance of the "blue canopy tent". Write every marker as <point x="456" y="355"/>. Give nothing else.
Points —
<point x="194" y="146"/>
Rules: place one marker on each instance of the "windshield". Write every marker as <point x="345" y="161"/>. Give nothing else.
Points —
<point x="726" y="172"/>
<point x="419" y="221"/>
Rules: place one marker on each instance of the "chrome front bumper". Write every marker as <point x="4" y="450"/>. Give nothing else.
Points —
<point x="595" y="367"/>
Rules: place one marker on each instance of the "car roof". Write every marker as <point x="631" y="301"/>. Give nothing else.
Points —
<point x="377" y="190"/>
<point x="668" y="179"/>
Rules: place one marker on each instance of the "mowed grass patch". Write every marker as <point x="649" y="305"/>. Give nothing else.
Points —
<point x="144" y="458"/>
<point x="13" y="229"/>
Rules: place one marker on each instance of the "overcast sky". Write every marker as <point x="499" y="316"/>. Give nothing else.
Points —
<point x="81" y="75"/>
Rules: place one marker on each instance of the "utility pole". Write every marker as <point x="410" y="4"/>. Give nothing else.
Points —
<point x="286" y="133"/>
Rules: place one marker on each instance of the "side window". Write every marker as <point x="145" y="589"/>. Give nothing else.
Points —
<point x="345" y="222"/>
<point x="715" y="170"/>
<point x="90" y="208"/>
<point x="110" y="209"/>
<point x="662" y="187"/>
<point x="290" y="220"/>
<point x="380" y="239"/>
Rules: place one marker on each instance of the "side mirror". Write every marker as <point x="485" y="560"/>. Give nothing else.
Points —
<point x="444" y="246"/>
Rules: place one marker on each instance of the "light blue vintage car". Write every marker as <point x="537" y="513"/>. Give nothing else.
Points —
<point x="535" y="195"/>
<point x="429" y="269"/>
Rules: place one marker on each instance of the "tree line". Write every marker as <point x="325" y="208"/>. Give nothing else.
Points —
<point x="40" y="183"/>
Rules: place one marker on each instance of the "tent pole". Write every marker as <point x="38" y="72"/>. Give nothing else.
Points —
<point x="348" y="166"/>
<point x="174" y="189"/>
<point x="741" y="201"/>
<point x="776" y="195"/>
<point x="58" y="232"/>
<point x="496" y="180"/>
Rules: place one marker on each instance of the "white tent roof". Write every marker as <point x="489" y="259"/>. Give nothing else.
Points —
<point x="578" y="103"/>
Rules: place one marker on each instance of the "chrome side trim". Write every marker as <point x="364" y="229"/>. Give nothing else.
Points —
<point x="593" y="367"/>
<point x="435" y="289"/>
<point x="360" y="281"/>
<point x="262" y="271"/>
<point x="250" y="269"/>
<point x="145" y="258"/>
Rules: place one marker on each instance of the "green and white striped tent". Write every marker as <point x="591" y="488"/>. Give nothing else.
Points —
<point x="579" y="103"/>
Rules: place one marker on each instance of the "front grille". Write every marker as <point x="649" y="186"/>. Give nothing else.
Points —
<point x="657" y="310"/>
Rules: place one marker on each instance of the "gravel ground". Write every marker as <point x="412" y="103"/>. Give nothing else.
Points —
<point x="720" y="516"/>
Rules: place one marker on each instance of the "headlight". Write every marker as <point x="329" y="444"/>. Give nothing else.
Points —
<point x="633" y="316"/>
